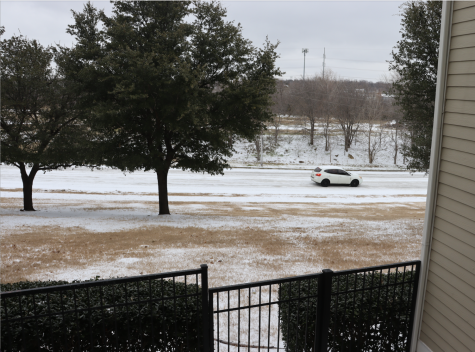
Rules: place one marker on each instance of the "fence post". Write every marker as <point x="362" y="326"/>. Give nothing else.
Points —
<point x="205" y="307"/>
<point x="323" y="310"/>
<point x="413" y="305"/>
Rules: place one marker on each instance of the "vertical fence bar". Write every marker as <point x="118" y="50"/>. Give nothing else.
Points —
<point x="217" y="318"/>
<point x="323" y="310"/>
<point x="413" y="304"/>
<point x="207" y="310"/>
<point x="278" y="320"/>
<point x="239" y="320"/>
<point x="298" y="316"/>
<point x="249" y="326"/>
<point x="360" y="321"/>
<point x="8" y="325"/>
<point x="259" y="337"/>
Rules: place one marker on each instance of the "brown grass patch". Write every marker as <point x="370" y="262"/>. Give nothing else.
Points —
<point x="254" y="251"/>
<point x="45" y="250"/>
<point x="373" y="211"/>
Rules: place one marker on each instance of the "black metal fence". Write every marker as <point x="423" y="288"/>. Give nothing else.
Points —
<point x="370" y="309"/>
<point x="160" y="312"/>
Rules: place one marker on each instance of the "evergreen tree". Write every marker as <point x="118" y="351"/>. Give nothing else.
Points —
<point x="169" y="85"/>
<point x="415" y="61"/>
<point x="41" y="128"/>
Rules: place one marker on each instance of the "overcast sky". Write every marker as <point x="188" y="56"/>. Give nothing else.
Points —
<point x="358" y="36"/>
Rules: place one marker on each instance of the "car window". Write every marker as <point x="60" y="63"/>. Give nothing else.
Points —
<point x="317" y="169"/>
<point x="343" y="172"/>
<point x="331" y="171"/>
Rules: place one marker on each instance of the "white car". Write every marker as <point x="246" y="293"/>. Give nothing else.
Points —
<point x="329" y="175"/>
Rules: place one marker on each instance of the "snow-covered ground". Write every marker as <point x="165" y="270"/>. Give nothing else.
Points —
<point x="273" y="201"/>
<point x="248" y="225"/>
<point x="293" y="150"/>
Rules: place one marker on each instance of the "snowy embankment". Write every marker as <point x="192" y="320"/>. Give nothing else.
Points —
<point x="293" y="150"/>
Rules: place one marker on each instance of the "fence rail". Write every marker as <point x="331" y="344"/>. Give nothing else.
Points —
<point x="367" y="309"/>
<point x="143" y="313"/>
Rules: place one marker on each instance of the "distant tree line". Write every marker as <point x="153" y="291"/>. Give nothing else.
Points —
<point x="356" y="107"/>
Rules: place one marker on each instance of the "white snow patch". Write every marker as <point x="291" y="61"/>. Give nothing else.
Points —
<point x="128" y="260"/>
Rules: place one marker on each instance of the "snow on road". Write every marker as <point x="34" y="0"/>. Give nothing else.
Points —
<point x="236" y="185"/>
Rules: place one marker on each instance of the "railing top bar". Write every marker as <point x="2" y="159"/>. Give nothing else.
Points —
<point x="374" y="268"/>
<point x="263" y="283"/>
<point x="106" y="282"/>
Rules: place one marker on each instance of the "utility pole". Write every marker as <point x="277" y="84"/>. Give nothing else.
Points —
<point x="323" y="63"/>
<point x="305" y="51"/>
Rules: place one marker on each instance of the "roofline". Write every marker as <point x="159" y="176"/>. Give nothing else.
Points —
<point x="444" y="49"/>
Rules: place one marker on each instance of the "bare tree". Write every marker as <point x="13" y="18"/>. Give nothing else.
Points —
<point x="327" y="87"/>
<point x="373" y="115"/>
<point x="349" y="104"/>
<point x="393" y="116"/>
<point x="280" y="108"/>
<point x="308" y="103"/>
<point x="395" y="125"/>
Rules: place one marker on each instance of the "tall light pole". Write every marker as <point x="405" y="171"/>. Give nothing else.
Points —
<point x="305" y="51"/>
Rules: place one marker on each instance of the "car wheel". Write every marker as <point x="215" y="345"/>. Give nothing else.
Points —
<point x="354" y="183"/>
<point x="325" y="183"/>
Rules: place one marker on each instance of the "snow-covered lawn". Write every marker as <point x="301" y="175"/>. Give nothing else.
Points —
<point x="248" y="225"/>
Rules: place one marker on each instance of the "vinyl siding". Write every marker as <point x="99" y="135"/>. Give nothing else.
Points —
<point x="448" y="321"/>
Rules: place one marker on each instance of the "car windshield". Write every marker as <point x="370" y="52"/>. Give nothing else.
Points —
<point x="317" y="169"/>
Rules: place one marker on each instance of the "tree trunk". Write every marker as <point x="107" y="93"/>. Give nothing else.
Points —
<point x="395" y="149"/>
<point x="257" y="143"/>
<point x="28" y="185"/>
<point x="312" y="131"/>
<point x="162" y="176"/>
<point x="347" y="141"/>
<point x="370" y="159"/>
<point x="326" y="131"/>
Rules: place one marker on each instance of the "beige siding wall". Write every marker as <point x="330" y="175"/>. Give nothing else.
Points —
<point x="448" y="321"/>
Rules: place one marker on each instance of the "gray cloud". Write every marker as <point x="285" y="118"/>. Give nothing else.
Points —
<point x="358" y="36"/>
